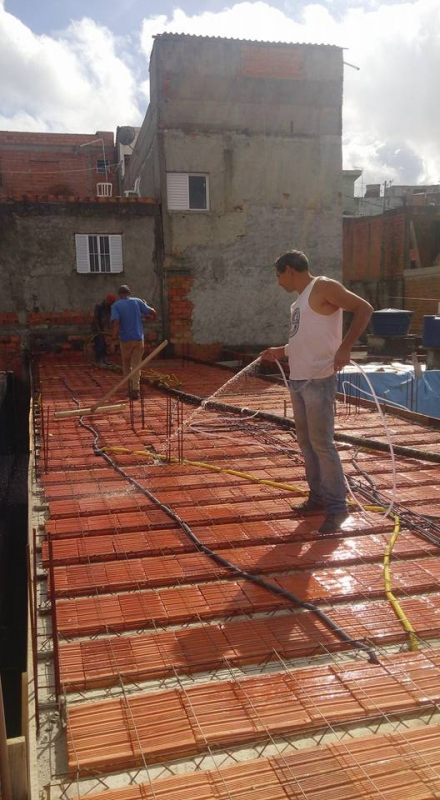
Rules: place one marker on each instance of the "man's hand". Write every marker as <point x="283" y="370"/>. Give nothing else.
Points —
<point x="272" y="354"/>
<point x="342" y="357"/>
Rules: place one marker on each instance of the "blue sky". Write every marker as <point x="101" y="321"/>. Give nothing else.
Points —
<point x="121" y="16"/>
<point x="81" y="66"/>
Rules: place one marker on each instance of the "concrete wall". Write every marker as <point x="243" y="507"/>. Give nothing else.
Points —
<point x="253" y="218"/>
<point x="264" y="122"/>
<point x="144" y="162"/>
<point x="37" y="254"/>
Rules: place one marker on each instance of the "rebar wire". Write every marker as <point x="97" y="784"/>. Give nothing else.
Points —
<point x="123" y="689"/>
<point x="380" y="713"/>
<point x="109" y="641"/>
<point x="104" y="625"/>
<point x="223" y="561"/>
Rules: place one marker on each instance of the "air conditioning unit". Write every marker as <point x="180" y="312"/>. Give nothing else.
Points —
<point x="131" y="193"/>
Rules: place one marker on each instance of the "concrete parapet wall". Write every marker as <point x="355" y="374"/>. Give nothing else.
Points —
<point x="38" y="270"/>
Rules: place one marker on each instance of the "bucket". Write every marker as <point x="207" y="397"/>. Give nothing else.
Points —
<point x="391" y="322"/>
<point x="431" y="331"/>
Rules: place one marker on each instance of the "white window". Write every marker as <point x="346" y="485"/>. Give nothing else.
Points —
<point x="187" y="191"/>
<point x="96" y="252"/>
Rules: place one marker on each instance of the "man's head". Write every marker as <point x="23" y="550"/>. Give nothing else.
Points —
<point x="124" y="290"/>
<point x="292" y="270"/>
<point x="295" y="259"/>
<point x="110" y="299"/>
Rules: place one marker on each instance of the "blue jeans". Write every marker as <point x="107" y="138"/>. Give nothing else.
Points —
<point x="100" y="347"/>
<point x="313" y="410"/>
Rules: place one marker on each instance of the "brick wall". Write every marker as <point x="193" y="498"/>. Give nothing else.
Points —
<point x="363" y="240"/>
<point x="180" y="320"/>
<point x="54" y="163"/>
<point x="423" y="293"/>
<point x="417" y="290"/>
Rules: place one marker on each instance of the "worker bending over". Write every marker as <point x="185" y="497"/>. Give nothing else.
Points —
<point x="126" y="318"/>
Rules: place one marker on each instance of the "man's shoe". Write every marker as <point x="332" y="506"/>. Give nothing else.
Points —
<point x="134" y="395"/>
<point x="333" y="522"/>
<point x="309" y="506"/>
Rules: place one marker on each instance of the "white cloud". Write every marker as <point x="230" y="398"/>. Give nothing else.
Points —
<point x="75" y="82"/>
<point x="86" y="78"/>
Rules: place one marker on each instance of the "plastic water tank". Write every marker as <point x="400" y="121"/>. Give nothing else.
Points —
<point x="431" y="331"/>
<point x="391" y="322"/>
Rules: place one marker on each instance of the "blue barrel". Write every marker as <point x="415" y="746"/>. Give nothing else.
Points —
<point x="431" y="331"/>
<point x="391" y="322"/>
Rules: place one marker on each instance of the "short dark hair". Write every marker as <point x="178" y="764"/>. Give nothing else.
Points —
<point x="293" y="258"/>
<point x="124" y="289"/>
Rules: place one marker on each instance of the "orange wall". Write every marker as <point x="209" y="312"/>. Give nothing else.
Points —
<point x="362" y="245"/>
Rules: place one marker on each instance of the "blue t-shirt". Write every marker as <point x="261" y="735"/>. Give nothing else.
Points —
<point x="129" y="310"/>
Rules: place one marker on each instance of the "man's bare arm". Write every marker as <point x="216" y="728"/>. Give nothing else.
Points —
<point x="337" y="295"/>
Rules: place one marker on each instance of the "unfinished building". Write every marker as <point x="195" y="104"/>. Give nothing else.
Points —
<point x="190" y="634"/>
<point x="241" y="145"/>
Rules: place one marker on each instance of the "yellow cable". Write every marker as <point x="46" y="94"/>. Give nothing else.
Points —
<point x="400" y="614"/>
<point x="161" y="378"/>
<point x="246" y="475"/>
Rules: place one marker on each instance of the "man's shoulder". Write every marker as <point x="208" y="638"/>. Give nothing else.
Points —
<point x="324" y="280"/>
<point x="323" y="283"/>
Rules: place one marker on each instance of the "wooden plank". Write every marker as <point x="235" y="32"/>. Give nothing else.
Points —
<point x="18" y="767"/>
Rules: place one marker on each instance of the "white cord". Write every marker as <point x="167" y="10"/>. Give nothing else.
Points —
<point x="387" y="433"/>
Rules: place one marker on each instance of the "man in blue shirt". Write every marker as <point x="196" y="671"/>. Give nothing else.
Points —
<point x="126" y="320"/>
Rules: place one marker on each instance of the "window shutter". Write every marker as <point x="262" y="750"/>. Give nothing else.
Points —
<point x="82" y="252"/>
<point x="116" y="264"/>
<point x="177" y="190"/>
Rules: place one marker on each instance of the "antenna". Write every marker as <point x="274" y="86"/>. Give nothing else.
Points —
<point x="126" y="134"/>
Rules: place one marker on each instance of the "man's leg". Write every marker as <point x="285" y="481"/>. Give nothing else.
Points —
<point x="302" y="434"/>
<point x="136" y="358"/>
<point x="100" y="347"/>
<point x="125" y="356"/>
<point x="318" y="398"/>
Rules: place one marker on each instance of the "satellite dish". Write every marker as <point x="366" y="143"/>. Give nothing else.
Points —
<point x="126" y="134"/>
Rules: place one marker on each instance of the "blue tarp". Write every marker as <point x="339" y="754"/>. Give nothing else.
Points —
<point x="395" y="383"/>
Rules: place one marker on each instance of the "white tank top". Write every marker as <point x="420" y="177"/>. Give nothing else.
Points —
<point x="313" y="339"/>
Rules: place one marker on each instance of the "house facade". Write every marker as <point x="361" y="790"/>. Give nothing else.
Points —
<point x="60" y="257"/>
<point x="241" y="146"/>
<point x="56" y="164"/>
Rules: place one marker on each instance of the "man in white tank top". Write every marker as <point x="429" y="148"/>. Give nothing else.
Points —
<point x="316" y="351"/>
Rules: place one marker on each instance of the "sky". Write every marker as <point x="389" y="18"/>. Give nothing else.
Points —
<point x="79" y="66"/>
